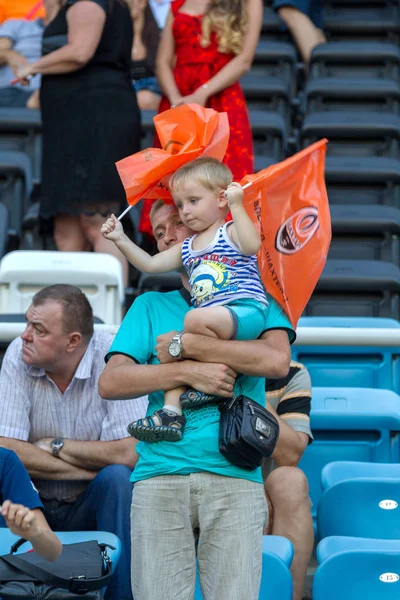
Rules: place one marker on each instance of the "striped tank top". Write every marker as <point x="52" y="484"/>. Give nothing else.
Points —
<point x="220" y="273"/>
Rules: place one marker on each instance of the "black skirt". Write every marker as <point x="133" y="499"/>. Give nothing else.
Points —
<point x="90" y="121"/>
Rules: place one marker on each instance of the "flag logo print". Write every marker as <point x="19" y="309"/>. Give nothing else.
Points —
<point x="297" y="230"/>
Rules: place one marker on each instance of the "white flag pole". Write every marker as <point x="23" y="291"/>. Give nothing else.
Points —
<point x="128" y="208"/>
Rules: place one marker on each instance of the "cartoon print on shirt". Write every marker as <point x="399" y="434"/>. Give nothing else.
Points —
<point x="209" y="277"/>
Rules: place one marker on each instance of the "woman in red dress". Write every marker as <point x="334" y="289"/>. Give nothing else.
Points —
<point x="206" y="46"/>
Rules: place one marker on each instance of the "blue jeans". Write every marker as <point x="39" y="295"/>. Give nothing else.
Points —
<point x="104" y="506"/>
<point x="10" y="96"/>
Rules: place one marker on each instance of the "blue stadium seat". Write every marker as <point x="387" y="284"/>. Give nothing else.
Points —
<point x="351" y="94"/>
<point x="276" y="581"/>
<point x="356" y="424"/>
<point x="276" y="59"/>
<point x="358" y="575"/>
<point x="365" y="23"/>
<point x="267" y="93"/>
<point x="263" y="162"/>
<point x="159" y="282"/>
<point x="355" y="58"/>
<point x="356" y="288"/>
<point x="270" y="134"/>
<point x="272" y="24"/>
<point x="341" y="470"/>
<point x="360" y="3"/>
<point x="3" y="228"/>
<point x="351" y="366"/>
<point x="354" y="133"/>
<point x="7" y="539"/>
<point x="15" y="185"/>
<point x="20" y="130"/>
<point x="365" y="232"/>
<point x="336" y="544"/>
<point x="361" y="507"/>
<point x="363" y="180"/>
<point x="147" y="129"/>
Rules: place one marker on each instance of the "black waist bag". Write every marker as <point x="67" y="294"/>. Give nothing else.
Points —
<point x="247" y="432"/>
<point x="81" y="571"/>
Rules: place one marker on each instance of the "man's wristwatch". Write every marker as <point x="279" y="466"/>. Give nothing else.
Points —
<point x="175" y="346"/>
<point x="56" y="446"/>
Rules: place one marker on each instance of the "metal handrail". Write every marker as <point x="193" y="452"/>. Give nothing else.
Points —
<point x="306" y="336"/>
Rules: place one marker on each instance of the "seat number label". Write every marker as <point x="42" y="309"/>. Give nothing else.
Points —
<point x="388" y="504"/>
<point x="389" y="577"/>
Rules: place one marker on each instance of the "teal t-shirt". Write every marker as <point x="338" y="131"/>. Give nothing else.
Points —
<point x="151" y="315"/>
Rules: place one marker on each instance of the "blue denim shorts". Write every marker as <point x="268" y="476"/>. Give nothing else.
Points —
<point x="147" y="83"/>
<point x="249" y="318"/>
<point x="311" y="8"/>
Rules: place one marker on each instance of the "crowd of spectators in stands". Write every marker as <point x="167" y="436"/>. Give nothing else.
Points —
<point x="173" y="58"/>
<point x="97" y="64"/>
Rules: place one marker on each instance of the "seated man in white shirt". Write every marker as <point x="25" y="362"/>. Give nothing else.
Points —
<point x="74" y="444"/>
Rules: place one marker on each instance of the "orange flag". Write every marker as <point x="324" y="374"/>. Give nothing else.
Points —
<point x="289" y="203"/>
<point x="185" y="132"/>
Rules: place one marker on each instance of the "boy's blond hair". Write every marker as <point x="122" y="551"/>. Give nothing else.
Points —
<point x="209" y="172"/>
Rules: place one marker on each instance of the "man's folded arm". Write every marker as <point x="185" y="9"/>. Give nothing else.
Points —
<point x="98" y="454"/>
<point x="42" y="465"/>
<point x="124" y="379"/>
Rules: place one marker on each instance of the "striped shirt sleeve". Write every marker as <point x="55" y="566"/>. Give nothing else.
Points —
<point x="291" y="398"/>
<point x="14" y="394"/>
<point x="120" y="413"/>
<point x="295" y="404"/>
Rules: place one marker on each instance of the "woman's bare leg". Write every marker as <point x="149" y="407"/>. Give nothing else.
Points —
<point x="304" y="32"/>
<point x="148" y="100"/>
<point x="69" y="235"/>
<point x="91" y="226"/>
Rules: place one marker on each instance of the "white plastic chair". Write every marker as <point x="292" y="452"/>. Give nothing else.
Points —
<point x="99" y="276"/>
